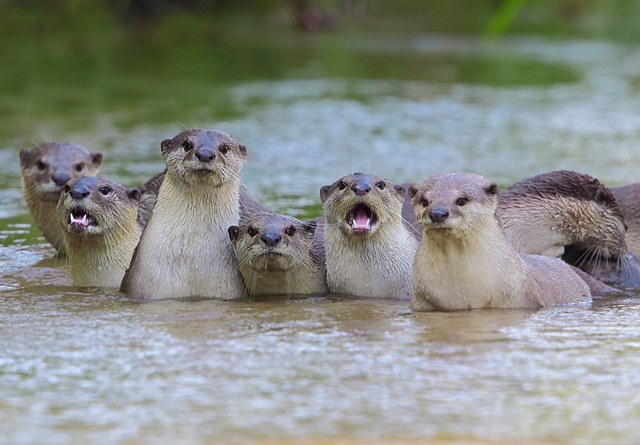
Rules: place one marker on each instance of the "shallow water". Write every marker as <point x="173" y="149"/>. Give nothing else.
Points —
<point x="89" y="366"/>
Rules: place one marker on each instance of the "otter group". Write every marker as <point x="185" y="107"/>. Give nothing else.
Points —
<point x="451" y="242"/>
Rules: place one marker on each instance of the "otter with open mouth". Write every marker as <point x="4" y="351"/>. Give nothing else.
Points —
<point x="369" y="251"/>
<point x="465" y="261"/>
<point x="45" y="169"/>
<point x="102" y="229"/>
<point x="277" y="255"/>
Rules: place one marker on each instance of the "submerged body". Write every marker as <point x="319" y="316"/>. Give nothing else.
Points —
<point x="369" y="251"/>
<point x="184" y="250"/>
<point x="465" y="261"/>
<point x="45" y="169"/>
<point x="102" y="230"/>
<point x="277" y="257"/>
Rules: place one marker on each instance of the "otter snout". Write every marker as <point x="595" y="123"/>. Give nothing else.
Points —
<point x="205" y="154"/>
<point x="271" y="239"/>
<point x="79" y="191"/>
<point x="438" y="214"/>
<point x="60" y="178"/>
<point x="361" y="188"/>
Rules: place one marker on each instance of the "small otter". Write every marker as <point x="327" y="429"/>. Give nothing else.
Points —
<point x="369" y="250"/>
<point x="570" y="215"/>
<point x="276" y="255"/>
<point x="465" y="261"/>
<point x="102" y="229"/>
<point x="628" y="197"/>
<point x="184" y="250"/>
<point x="45" y="170"/>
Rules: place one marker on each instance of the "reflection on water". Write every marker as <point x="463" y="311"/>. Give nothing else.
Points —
<point x="89" y="366"/>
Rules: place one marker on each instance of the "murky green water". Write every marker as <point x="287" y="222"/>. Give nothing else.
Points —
<point x="89" y="366"/>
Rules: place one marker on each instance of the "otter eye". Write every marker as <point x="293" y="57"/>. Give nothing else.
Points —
<point x="224" y="148"/>
<point x="105" y="190"/>
<point x="187" y="145"/>
<point x="381" y="185"/>
<point x="67" y="188"/>
<point x="462" y="201"/>
<point x="41" y="165"/>
<point x="290" y="231"/>
<point x="342" y="185"/>
<point x="424" y="202"/>
<point x="79" y="166"/>
<point x="252" y="231"/>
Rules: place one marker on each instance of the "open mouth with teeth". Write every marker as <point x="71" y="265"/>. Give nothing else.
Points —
<point x="361" y="218"/>
<point x="79" y="219"/>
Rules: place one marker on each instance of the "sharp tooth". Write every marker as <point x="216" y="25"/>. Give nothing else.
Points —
<point x="71" y="217"/>
<point x="84" y="219"/>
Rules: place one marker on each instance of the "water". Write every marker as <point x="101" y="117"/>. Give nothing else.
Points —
<point x="90" y="366"/>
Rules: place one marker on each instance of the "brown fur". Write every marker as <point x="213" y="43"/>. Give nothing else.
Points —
<point x="284" y="267"/>
<point x="99" y="253"/>
<point x="465" y="261"/>
<point x="45" y="168"/>
<point x="629" y="199"/>
<point x="375" y="263"/>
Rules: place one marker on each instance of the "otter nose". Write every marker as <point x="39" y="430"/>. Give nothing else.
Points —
<point x="438" y="215"/>
<point x="271" y="239"/>
<point x="205" y="154"/>
<point x="79" y="192"/>
<point x="60" y="178"/>
<point x="361" y="188"/>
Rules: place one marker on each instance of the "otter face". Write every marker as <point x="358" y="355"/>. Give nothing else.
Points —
<point x="453" y="203"/>
<point x="94" y="206"/>
<point x="361" y="203"/>
<point x="269" y="242"/>
<point x="47" y="167"/>
<point x="204" y="155"/>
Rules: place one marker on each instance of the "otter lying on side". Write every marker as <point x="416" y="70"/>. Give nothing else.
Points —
<point x="45" y="170"/>
<point x="368" y="249"/>
<point x="570" y="215"/>
<point x="102" y="229"/>
<point x="184" y="250"/>
<point x="464" y="260"/>
<point x="277" y="257"/>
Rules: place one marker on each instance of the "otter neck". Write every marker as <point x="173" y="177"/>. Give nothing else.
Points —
<point x="377" y="266"/>
<point x="102" y="260"/>
<point x="305" y="277"/>
<point x="43" y="212"/>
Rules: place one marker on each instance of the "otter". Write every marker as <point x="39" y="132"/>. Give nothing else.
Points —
<point x="628" y="197"/>
<point x="368" y="249"/>
<point x="45" y="170"/>
<point x="184" y="250"/>
<point x="276" y="255"/>
<point x="465" y="261"/>
<point x="102" y="229"/>
<point x="573" y="216"/>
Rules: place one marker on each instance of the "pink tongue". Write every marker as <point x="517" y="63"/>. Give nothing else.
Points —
<point x="80" y="221"/>
<point x="361" y="220"/>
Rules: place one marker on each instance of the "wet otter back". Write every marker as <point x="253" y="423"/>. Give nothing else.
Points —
<point x="559" y="284"/>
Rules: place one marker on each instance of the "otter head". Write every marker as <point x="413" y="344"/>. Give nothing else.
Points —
<point x="204" y="155"/>
<point x="93" y="206"/>
<point x="454" y="204"/>
<point x="269" y="241"/>
<point x="360" y="204"/>
<point x="47" y="167"/>
<point x="585" y="212"/>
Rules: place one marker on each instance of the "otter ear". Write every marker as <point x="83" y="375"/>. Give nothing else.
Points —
<point x="324" y="192"/>
<point x="413" y="190"/>
<point x="96" y="158"/>
<point x="24" y="156"/>
<point x="134" y="194"/>
<point x="399" y="189"/>
<point x="600" y="196"/>
<point x="165" y="146"/>
<point x="310" y="226"/>
<point x="234" y="231"/>
<point x="492" y="189"/>
<point x="243" y="150"/>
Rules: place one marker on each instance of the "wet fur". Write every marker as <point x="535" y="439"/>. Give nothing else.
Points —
<point x="376" y="265"/>
<point x="628" y="197"/>
<point x="41" y="193"/>
<point x="466" y="262"/>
